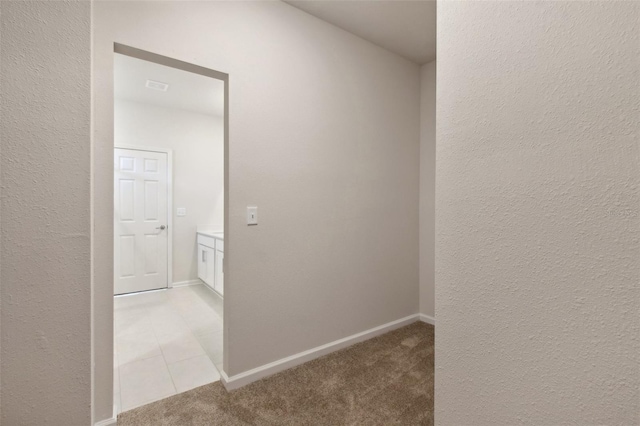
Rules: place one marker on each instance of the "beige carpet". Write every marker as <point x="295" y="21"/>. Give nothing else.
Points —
<point x="387" y="380"/>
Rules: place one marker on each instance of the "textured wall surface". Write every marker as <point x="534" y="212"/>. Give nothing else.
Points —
<point x="538" y="224"/>
<point x="45" y="247"/>
<point x="324" y="139"/>
<point x="427" y="187"/>
<point x="197" y="141"/>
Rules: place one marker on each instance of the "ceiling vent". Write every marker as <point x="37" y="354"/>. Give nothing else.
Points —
<point x="156" y="85"/>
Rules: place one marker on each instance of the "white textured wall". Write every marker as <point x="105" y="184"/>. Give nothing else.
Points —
<point x="197" y="141"/>
<point x="427" y="187"/>
<point x="538" y="224"/>
<point x="45" y="246"/>
<point x="324" y="139"/>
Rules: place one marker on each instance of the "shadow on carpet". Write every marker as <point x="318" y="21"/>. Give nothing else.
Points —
<point x="387" y="380"/>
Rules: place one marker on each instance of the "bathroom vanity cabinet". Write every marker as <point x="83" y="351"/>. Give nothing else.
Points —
<point x="211" y="260"/>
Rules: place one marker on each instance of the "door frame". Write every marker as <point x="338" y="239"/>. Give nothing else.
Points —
<point x="102" y="143"/>
<point x="169" y="153"/>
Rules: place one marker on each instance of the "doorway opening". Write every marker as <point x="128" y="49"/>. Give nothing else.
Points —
<point x="170" y="138"/>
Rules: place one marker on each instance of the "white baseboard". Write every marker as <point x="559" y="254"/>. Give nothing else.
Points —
<point x="213" y="291"/>
<point x="113" y="421"/>
<point x="186" y="283"/>
<point x="108" y="422"/>
<point x="242" y="379"/>
<point x="427" y="319"/>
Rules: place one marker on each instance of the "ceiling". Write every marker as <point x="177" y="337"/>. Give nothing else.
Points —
<point x="406" y="27"/>
<point x="187" y="91"/>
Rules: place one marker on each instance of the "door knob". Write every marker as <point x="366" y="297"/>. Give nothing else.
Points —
<point x="162" y="228"/>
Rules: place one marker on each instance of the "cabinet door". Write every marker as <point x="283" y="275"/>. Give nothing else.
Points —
<point x="202" y="262"/>
<point x="219" y="287"/>
<point x="211" y="266"/>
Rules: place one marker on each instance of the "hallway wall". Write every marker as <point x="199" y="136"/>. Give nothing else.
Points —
<point x="45" y="255"/>
<point x="324" y="139"/>
<point x="538" y="196"/>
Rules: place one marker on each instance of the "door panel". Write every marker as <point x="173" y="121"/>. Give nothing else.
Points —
<point x="151" y="261"/>
<point x="127" y="255"/>
<point x="127" y="204"/>
<point x="151" y="202"/>
<point x="140" y="209"/>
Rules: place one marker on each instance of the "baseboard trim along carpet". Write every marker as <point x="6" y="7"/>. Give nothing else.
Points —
<point x="386" y="380"/>
<point x="427" y="319"/>
<point x="109" y="422"/>
<point x="239" y="380"/>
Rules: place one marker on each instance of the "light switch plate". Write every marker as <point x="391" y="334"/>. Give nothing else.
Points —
<point x="182" y="211"/>
<point x="252" y="215"/>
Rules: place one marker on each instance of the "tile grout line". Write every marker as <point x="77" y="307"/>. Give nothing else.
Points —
<point x="190" y="290"/>
<point x="166" y="364"/>
<point x="147" y="313"/>
<point x="217" y="331"/>
<point x="186" y="322"/>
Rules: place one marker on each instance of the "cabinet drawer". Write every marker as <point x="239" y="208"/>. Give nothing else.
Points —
<point x="219" y="244"/>
<point x="207" y="241"/>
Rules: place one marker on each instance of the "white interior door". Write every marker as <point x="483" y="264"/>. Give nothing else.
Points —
<point x="140" y="220"/>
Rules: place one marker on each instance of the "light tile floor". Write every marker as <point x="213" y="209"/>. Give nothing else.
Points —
<point x="166" y="342"/>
